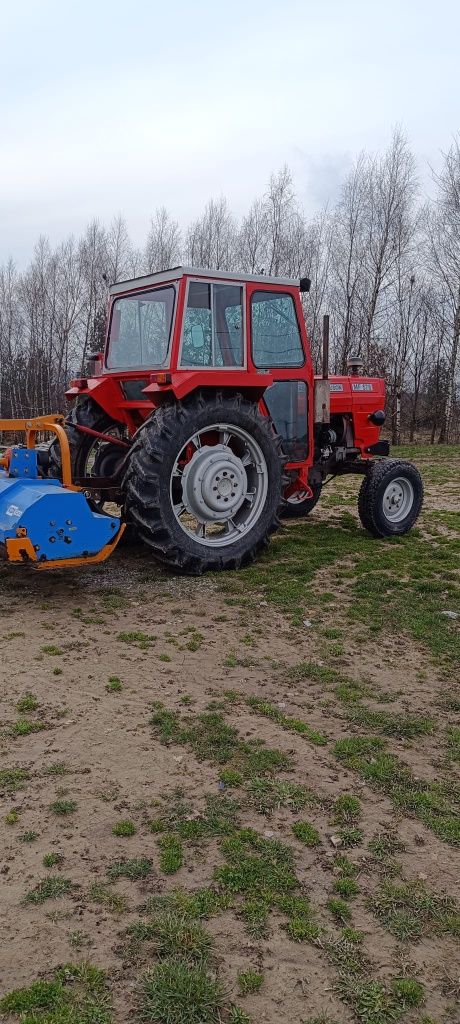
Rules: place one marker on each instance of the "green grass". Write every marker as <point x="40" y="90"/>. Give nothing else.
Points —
<point x="25" y="726"/>
<point x="74" y="995"/>
<point x="268" y="795"/>
<point x="171" y="853"/>
<point x="50" y="860"/>
<point x="12" y="779"/>
<point x="62" y="808"/>
<point x="249" y="981"/>
<point x="346" y="810"/>
<point x="114" y="685"/>
<point x="346" y="887"/>
<point x="260" y="872"/>
<point x="50" y="888"/>
<point x="214" y="740"/>
<point x="306" y="833"/>
<point x="51" y="649"/>
<point x="176" y="934"/>
<point x="371" y="1001"/>
<point x="27" y="704"/>
<point x="453" y="743"/>
<point x="263" y="707"/>
<point x="135" y="868"/>
<point x="124" y="828"/>
<point x="12" y="817"/>
<point x="431" y="802"/>
<point x="137" y="639"/>
<point x="387" y="582"/>
<point x="339" y="909"/>
<point x="410" y="911"/>
<point x="28" y="837"/>
<point x="56" y="768"/>
<point x="175" y="991"/>
<point x="105" y="897"/>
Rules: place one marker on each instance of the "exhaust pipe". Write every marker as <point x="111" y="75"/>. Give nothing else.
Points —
<point x="322" y="398"/>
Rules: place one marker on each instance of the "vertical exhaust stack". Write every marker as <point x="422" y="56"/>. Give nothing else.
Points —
<point x="322" y="402"/>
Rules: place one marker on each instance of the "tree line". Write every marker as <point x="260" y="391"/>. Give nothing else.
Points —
<point x="384" y="263"/>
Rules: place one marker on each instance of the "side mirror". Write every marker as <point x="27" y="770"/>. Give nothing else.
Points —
<point x="197" y="336"/>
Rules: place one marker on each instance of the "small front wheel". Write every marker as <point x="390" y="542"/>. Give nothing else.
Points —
<point x="390" y="498"/>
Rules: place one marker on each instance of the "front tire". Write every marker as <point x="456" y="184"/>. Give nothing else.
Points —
<point x="390" y="498"/>
<point x="204" y="481"/>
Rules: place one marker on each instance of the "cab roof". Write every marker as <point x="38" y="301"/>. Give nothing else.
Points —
<point x="175" y="273"/>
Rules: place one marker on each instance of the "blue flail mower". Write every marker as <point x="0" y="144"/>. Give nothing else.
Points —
<point x="47" y="524"/>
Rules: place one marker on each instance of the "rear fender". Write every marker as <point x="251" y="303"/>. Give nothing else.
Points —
<point x="179" y="385"/>
<point x="106" y="393"/>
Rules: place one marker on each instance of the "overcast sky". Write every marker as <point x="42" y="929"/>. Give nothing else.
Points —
<point x="110" y="107"/>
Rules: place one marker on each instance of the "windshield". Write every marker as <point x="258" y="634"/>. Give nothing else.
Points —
<point x="140" y="329"/>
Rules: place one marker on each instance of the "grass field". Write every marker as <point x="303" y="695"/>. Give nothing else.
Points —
<point x="236" y="799"/>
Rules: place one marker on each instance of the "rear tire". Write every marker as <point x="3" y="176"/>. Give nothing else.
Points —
<point x="390" y="498"/>
<point x="203" y="483"/>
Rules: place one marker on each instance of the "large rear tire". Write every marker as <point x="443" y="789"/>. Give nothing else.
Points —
<point x="390" y="498"/>
<point x="203" y="483"/>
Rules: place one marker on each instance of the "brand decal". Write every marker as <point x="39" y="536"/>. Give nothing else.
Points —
<point x="362" y="387"/>
<point x="13" y="510"/>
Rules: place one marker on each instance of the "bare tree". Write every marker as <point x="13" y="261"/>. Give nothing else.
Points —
<point x="163" y="246"/>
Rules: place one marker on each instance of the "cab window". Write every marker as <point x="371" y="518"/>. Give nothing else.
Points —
<point x="213" y="331"/>
<point x="275" y="332"/>
<point x="140" y="329"/>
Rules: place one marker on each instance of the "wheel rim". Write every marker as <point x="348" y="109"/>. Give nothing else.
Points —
<point x="398" y="499"/>
<point x="92" y="463"/>
<point x="218" y="491"/>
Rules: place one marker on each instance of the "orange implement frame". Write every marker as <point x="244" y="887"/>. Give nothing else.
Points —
<point x="53" y="424"/>
<point x="21" y="549"/>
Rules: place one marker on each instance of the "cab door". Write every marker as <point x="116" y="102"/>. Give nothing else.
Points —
<point x="278" y="343"/>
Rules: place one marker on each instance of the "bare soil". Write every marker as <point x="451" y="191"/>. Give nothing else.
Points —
<point x="117" y="768"/>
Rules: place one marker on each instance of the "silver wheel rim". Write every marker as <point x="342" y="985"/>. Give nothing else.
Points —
<point x="218" y="494"/>
<point x="398" y="499"/>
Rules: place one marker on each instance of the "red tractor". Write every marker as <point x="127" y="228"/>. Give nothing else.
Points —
<point x="204" y="420"/>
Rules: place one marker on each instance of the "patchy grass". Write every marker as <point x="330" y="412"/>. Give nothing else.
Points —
<point x="214" y="740"/>
<point x="74" y="995"/>
<point x="179" y="992"/>
<point x="24" y="726"/>
<point x="125" y="827"/>
<point x="249" y="982"/>
<point x="105" y="897"/>
<point x="268" y="795"/>
<point x="51" y="860"/>
<point x="263" y="707"/>
<point x="432" y="802"/>
<point x="171" y="853"/>
<point x="12" y="779"/>
<point x="114" y="685"/>
<point x="50" y="888"/>
<point x="137" y="867"/>
<point x="62" y="808"/>
<point x="27" y="704"/>
<point x="410" y="911"/>
<point x="306" y="833"/>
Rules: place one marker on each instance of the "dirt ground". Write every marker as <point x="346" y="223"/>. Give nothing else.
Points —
<point x="88" y="654"/>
